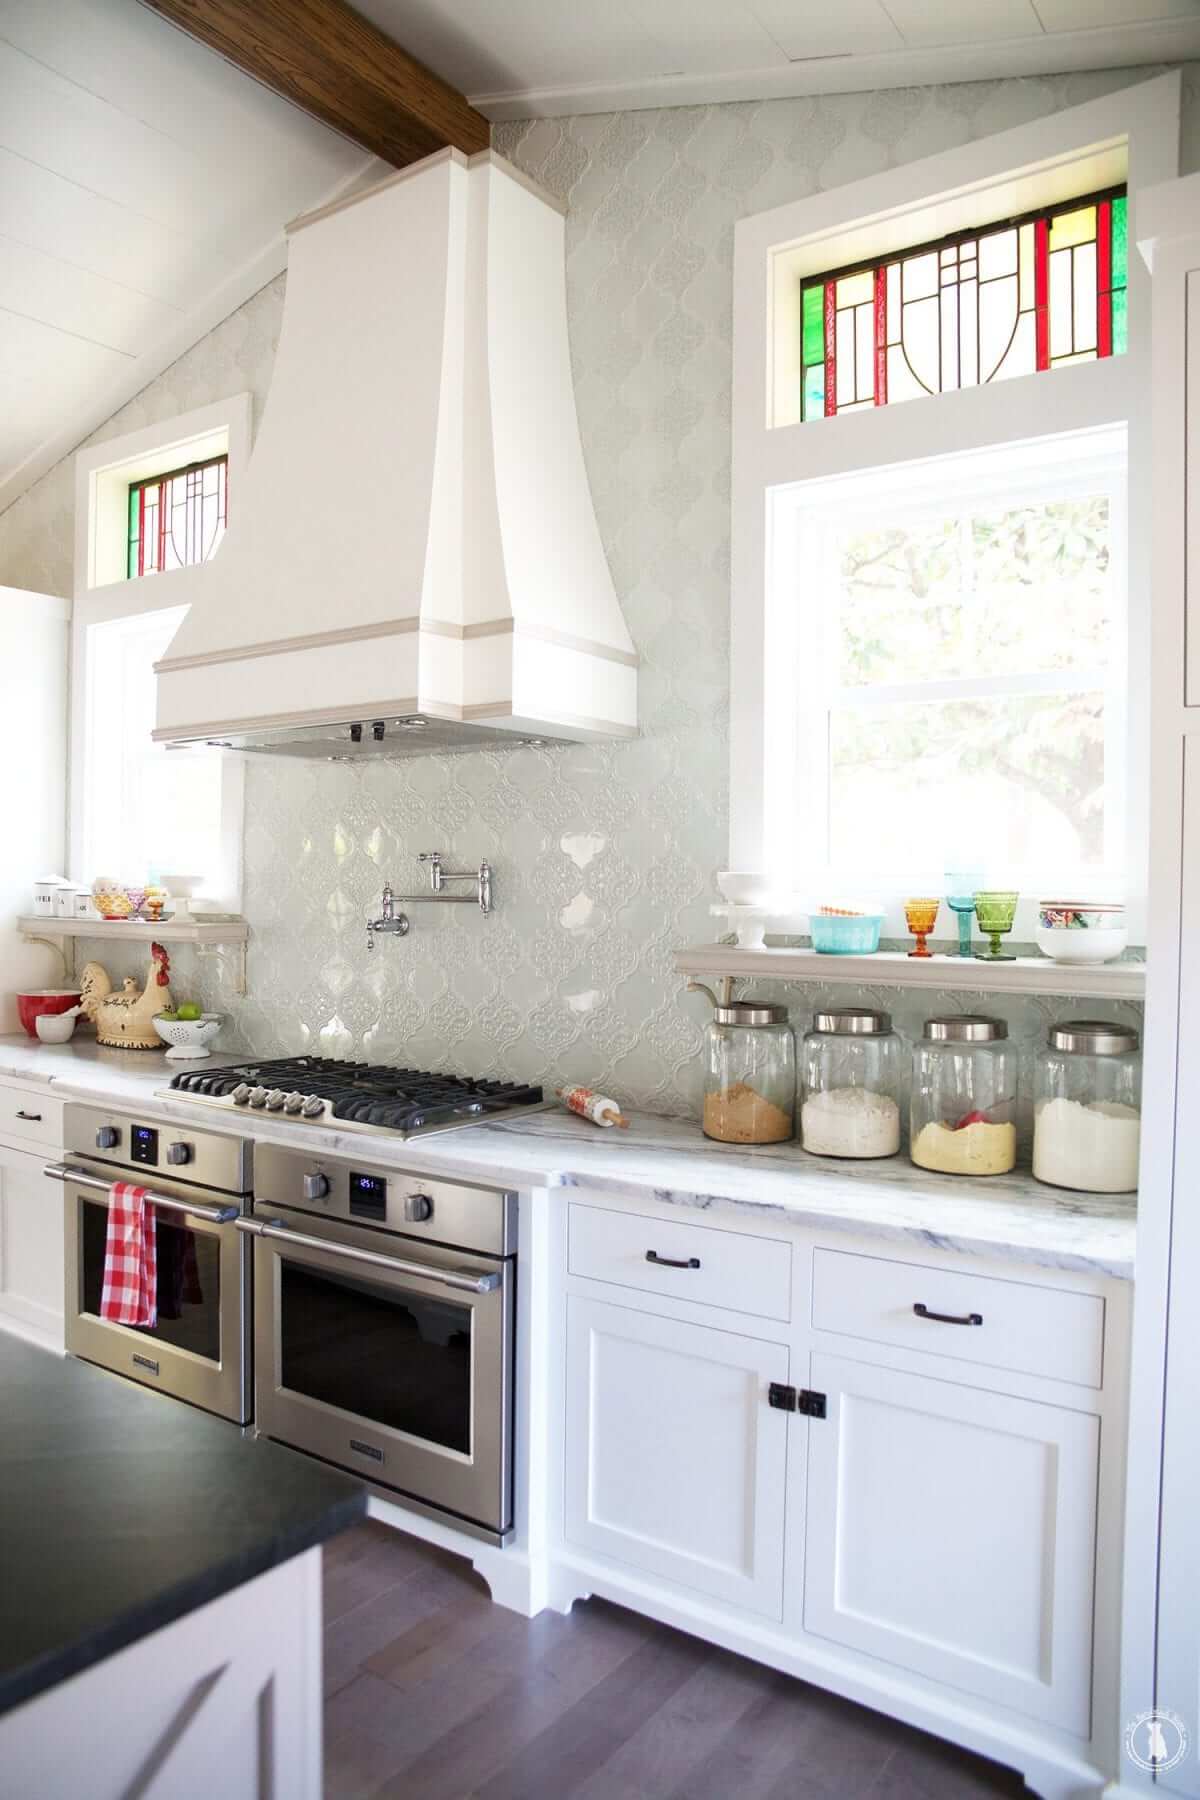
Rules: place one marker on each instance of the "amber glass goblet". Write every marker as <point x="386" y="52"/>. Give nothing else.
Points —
<point x="995" y="911"/>
<point x="921" y="916"/>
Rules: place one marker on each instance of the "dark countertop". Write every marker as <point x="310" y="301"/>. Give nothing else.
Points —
<point x="122" y="1510"/>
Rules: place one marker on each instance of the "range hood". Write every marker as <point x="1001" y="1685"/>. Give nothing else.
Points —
<point x="412" y="561"/>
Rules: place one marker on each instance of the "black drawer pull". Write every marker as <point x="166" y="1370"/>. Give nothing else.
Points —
<point x="35" y="1117"/>
<point x="672" y="1262"/>
<point x="923" y="1312"/>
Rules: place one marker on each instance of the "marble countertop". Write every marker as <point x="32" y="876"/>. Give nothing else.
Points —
<point x="1009" y="1217"/>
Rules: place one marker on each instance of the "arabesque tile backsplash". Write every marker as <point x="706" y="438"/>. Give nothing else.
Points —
<point x="604" y="855"/>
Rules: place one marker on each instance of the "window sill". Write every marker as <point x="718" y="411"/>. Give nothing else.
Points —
<point x="894" y="968"/>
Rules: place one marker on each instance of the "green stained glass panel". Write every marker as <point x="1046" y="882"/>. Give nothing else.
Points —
<point x="1119" y="239"/>
<point x="131" y="558"/>
<point x="1120" y="323"/>
<point x="814" y="324"/>
<point x="814" y="392"/>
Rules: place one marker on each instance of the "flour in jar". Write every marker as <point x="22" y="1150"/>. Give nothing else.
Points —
<point x="850" y="1121"/>
<point x="1092" y="1148"/>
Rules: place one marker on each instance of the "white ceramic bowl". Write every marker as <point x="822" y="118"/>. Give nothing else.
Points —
<point x="742" y="888"/>
<point x="56" y="1028"/>
<point x="188" y="1038"/>
<point x="182" y="887"/>
<point x="1099" y="945"/>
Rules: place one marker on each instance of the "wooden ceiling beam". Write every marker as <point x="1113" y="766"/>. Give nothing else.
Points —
<point x="325" y="58"/>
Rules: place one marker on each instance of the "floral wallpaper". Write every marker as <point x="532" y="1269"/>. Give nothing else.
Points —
<point x="604" y="855"/>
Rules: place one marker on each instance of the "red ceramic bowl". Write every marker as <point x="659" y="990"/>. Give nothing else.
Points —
<point x="44" y="1000"/>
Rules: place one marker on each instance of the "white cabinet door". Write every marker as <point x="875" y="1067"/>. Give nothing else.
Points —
<point x="1179" y="1578"/>
<point x="675" y="1461"/>
<point x="31" y="1248"/>
<point x="951" y="1531"/>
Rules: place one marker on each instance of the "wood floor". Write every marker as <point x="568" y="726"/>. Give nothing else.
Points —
<point x="433" y="1693"/>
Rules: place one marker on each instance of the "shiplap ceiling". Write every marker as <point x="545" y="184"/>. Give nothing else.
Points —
<point x="144" y="186"/>
<point x="518" y="58"/>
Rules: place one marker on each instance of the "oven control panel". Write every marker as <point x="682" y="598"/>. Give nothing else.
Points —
<point x="143" y="1145"/>
<point x="387" y="1199"/>
<point x="368" y="1197"/>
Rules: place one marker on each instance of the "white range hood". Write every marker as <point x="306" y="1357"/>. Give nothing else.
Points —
<point x="412" y="560"/>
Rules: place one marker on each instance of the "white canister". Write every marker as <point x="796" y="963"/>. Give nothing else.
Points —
<point x="44" y="893"/>
<point x="85" y="905"/>
<point x="64" y="902"/>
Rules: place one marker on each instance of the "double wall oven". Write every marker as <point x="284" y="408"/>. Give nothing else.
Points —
<point x="356" y="1313"/>
<point x="199" y="1184"/>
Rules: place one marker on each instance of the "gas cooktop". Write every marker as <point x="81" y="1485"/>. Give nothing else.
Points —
<point x="318" y="1090"/>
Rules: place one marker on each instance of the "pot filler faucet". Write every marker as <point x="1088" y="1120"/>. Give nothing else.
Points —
<point x="391" y="923"/>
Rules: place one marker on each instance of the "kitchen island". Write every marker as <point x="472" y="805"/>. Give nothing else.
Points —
<point x="160" y="1599"/>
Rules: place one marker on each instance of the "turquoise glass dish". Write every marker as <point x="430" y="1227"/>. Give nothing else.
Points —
<point x="835" y="934"/>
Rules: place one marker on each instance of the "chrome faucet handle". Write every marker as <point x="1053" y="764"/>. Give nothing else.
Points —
<point x="434" y="859"/>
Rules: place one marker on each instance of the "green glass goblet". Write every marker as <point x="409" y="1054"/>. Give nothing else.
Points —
<point x="995" y="912"/>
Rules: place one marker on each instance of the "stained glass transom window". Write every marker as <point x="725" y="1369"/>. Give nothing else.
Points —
<point x="178" y="518"/>
<point x="1007" y="299"/>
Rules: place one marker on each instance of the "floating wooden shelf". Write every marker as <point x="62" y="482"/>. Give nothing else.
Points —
<point x="894" y="968"/>
<point x="166" y="931"/>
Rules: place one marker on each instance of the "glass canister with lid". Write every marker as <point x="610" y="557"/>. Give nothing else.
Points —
<point x="749" y="1072"/>
<point x="1087" y="1108"/>
<point x="963" y="1110"/>
<point x="852" y="1081"/>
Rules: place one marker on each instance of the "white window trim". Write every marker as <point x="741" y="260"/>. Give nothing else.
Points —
<point x="1137" y="129"/>
<point x="102" y="476"/>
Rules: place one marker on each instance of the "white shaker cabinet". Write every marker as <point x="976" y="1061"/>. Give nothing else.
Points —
<point x="675" y="1460"/>
<point x="31" y="1247"/>
<point x="951" y="1532"/>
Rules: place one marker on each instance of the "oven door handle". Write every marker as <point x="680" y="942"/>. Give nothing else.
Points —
<point x="451" y="1278"/>
<point x="212" y="1215"/>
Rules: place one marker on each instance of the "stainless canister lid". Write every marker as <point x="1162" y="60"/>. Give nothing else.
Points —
<point x="852" y="1021"/>
<point x="1093" y="1037"/>
<point x="750" y="1012"/>
<point x="965" y="1028"/>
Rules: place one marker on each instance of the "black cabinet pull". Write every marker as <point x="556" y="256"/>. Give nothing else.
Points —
<point x="672" y="1262"/>
<point x="923" y="1312"/>
<point x="36" y="1117"/>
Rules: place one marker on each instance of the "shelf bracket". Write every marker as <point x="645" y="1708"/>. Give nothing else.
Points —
<point x="63" y="946"/>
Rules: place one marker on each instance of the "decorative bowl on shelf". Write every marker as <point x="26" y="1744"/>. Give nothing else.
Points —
<point x="845" y="934"/>
<point x="42" y="1002"/>
<point x="1081" y="931"/>
<point x="742" y="888"/>
<point x="188" y="1038"/>
<point x="113" y="903"/>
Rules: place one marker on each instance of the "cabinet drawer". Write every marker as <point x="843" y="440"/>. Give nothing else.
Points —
<point x="684" y="1262"/>
<point x="1030" y="1330"/>
<point x="29" y="1118"/>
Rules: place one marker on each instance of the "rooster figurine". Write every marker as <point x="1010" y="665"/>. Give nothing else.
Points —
<point x="126" y="1020"/>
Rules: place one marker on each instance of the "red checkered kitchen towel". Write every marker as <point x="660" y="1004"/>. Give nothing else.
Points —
<point x="130" y="1295"/>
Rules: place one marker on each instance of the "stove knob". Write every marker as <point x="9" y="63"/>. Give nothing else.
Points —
<point x="293" y="1103"/>
<point x="275" y="1100"/>
<point x="313" y="1107"/>
<point x="315" y="1187"/>
<point x="107" y="1138"/>
<point x="179" y="1153"/>
<point x="240" y="1094"/>
<point x="257" y="1097"/>
<point x="418" y="1207"/>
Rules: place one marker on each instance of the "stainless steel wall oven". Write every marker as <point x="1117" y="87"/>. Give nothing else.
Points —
<point x="384" y="1329"/>
<point x="199" y="1183"/>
